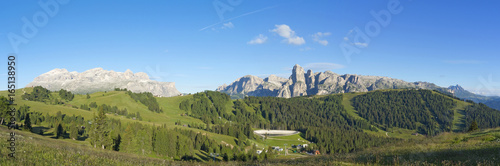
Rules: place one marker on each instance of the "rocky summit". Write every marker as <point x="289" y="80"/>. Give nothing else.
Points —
<point x="98" y="79"/>
<point x="302" y="83"/>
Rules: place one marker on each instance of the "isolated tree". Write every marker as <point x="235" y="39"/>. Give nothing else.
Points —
<point x="138" y="115"/>
<point x="4" y="108"/>
<point x="88" y="96"/>
<point x="73" y="131"/>
<point x="27" y="122"/>
<point x="473" y="126"/>
<point x="99" y="133"/>
<point x="59" y="131"/>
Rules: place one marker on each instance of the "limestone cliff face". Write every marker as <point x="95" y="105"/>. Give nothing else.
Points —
<point x="301" y="83"/>
<point x="98" y="79"/>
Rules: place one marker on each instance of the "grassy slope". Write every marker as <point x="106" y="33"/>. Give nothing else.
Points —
<point x="170" y="106"/>
<point x="172" y="114"/>
<point x="33" y="149"/>
<point x="482" y="147"/>
<point x="478" y="148"/>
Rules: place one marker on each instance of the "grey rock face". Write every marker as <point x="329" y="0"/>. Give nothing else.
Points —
<point x="301" y="83"/>
<point x="98" y="79"/>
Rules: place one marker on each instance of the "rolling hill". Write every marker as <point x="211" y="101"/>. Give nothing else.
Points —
<point x="332" y="124"/>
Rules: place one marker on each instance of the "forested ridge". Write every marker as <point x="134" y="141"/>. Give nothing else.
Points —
<point x="484" y="116"/>
<point x="147" y="99"/>
<point x="429" y="112"/>
<point x="322" y="120"/>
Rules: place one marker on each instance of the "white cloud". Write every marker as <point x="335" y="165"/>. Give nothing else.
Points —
<point x="487" y="86"/>
<point x="358" y="44"/>
<point x="289" y="35"/>
<point x="258" y="39"/>
<point x="228" y="25"/>
<point x="317" y="37"/>
<point x="323" y="66"/>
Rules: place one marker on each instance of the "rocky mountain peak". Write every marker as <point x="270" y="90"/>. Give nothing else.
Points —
<point x="98" y="79"/>
<point x="297" y="74"/>
<point x="301" y="83"/>
<point x="456" y="88"/>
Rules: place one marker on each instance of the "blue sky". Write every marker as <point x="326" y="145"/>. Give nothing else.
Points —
<point x="200" y="45"/>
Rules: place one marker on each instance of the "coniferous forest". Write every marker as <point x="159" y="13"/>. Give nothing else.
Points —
<point x="424" y="110"/>
<point x="322" y="120"/>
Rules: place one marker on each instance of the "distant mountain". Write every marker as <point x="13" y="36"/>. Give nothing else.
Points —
<point x="490" y="101"/>
<point x="302" y="83"/>
<point x="98" y="79"/>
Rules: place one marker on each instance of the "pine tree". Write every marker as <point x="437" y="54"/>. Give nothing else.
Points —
<point x="88" y="96"/>
<point x="4" y="108"/>
<point x="100" y="134"/>
<point x="138" y="116"/>
<point x="27" y="122"/>
<point x="59" y="131"/>
<point x="473" y="126"/>
<point x="73" y="131"/>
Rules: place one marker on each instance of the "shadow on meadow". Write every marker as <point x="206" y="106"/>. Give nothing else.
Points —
<point x="480" y="156"/>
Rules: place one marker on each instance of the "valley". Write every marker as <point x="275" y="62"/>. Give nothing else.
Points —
<point x="232" y="122"/>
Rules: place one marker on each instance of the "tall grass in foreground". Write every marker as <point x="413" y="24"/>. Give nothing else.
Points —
<point x="479" y="148"/>
<point x="32" y="149"/>
<point x="467" y="149"/>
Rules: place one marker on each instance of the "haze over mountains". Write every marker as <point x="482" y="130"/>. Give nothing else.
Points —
<point x="302" y="83"/>
<point x="98" y="79"/>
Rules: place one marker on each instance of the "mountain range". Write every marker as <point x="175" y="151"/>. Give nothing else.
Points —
<point x="98" y="79"/>
<point x="302" y="83"/>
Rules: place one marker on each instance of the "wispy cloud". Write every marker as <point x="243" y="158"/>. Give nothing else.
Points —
<point x="245" y="14"/>
<point x="228" y="25"/>
<point x="258" y="39"/>
<point x="463" y="62"/>
<point x="323" y="66"/>
<point x="317" y="37"/>
<point x="286" y="32"/>
<point x="358" y="44"/>
<point x="487" y="86"/>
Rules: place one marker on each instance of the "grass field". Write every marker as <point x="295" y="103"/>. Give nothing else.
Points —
<point x="414" y="149"/>
<point x="170" y="106"/>
<point x="477" y="148"/>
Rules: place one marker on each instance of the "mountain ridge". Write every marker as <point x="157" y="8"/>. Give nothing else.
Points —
<point x="302" y="83"/>
<point x="98" y="79"/>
